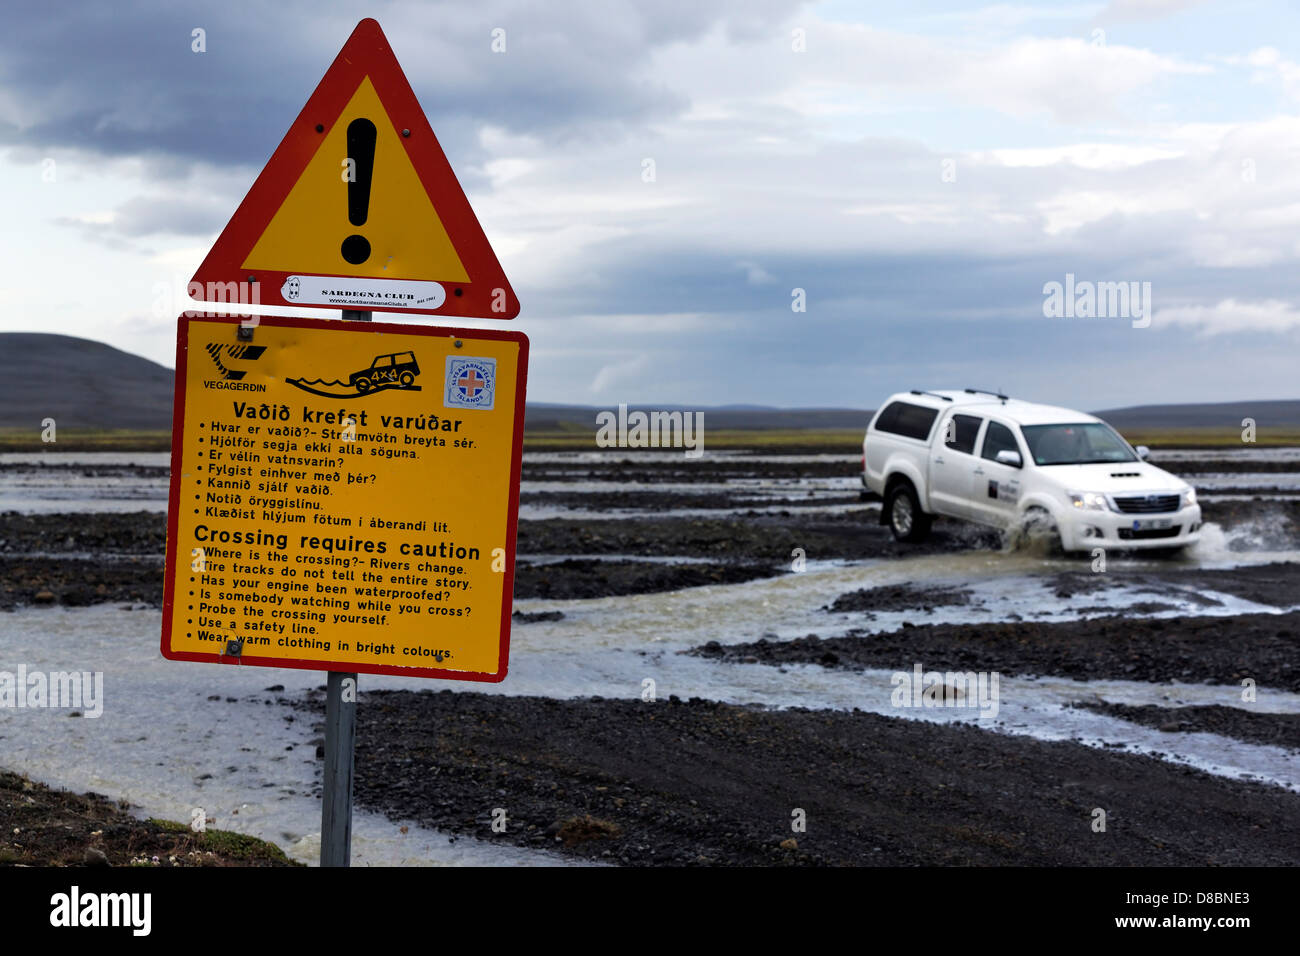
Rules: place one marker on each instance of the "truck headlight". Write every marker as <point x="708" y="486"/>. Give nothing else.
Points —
<point x="1089" y="500"/>
<point x="1189" y="497"/>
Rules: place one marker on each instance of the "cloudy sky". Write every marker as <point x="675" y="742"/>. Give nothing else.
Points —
<point x="921" y="170"/>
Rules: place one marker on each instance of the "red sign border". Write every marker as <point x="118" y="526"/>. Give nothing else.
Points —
<point x="512" y="517"/>
<point x="366" y="53"/>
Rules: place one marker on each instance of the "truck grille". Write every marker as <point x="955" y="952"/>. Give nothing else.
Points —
<point x="1128" y="534"/>
<point x="1147" y="504"/>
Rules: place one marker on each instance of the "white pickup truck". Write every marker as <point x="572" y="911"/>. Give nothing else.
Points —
<point x="1020" y="467"/>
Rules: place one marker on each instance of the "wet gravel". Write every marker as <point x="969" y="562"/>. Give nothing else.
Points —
<point x="687" y="782"/>
<point x="1276" y="730"/>
<point x="135" y="581"/>
<point x="668" y="502"/>
<point x="1212" y="650"/>
<point x="1276" y="585"/>
<point x="902" y="597"/>
<point x="581" y="578"/>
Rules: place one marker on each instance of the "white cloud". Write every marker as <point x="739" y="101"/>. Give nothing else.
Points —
<point x="1120" y="11"/>
<point x="1230" y="315"/>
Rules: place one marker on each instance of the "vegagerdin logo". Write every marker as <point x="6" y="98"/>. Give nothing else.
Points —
<point x="232" y="378"/>
<point x="243" y="353"/>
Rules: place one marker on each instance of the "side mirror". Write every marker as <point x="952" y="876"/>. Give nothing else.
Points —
<point x="1008" y="457"/>
<point x="1143" y="452"/>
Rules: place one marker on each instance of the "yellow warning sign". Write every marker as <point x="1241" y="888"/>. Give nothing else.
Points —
<point x="344" y="496"/>
<point x="360" y="187"/>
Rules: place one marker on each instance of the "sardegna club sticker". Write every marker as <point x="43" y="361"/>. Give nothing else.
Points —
<point x="471" y="382"/>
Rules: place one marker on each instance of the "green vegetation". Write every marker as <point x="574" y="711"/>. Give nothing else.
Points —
<point x="227" y="844"/>
<point x="122" y="440"/>
<point x="1210" y="437"/>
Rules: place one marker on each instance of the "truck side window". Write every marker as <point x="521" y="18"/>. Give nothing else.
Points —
<point x="906" y="419"/>
<point x="998" y="438"/>
<point x="960" y="432"/>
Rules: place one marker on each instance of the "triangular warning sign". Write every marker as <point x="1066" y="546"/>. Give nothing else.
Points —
<point x="358" y="208"/>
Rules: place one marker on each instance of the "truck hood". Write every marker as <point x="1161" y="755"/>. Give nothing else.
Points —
<point x="1113" y="478"/>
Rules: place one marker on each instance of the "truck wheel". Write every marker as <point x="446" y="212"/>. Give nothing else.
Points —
<point x="906" y="519"/>
<point x="407" y="380"/>
<point x="1038" y="532"/>
<point x="363" y="385"/>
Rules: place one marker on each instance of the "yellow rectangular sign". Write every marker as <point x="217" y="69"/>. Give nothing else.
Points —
<point x="344" y="496"/>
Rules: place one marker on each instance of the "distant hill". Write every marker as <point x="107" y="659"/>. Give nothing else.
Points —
<point x="80" y="384"/>
<point x="1272" y="414"/>
<point x="86" y="385"/>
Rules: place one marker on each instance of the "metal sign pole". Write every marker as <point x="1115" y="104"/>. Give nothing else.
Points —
<point x="340" y="749"/>
<point x="336" y="797"/>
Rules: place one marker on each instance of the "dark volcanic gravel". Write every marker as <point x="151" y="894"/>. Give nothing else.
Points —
<point x="667" y="502"/>
<point x="137" y="532"/>
<point x="1279" y="730"/>
<point x="583" y="578"/>
<point x="1226" y="466"/>
<point x="901" y="597"/>
<point x="77" y="583"/>
<point x="685" y="782"/>
<point x="536" y="617"/>
<point x="1214" y="650"/>
<point x="1275" y="584"/>
<point x="674" y="468"/>
<point x="85" y="470"/>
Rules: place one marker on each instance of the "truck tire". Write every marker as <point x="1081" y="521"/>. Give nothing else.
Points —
<point x="904" y="516"/>
<point x="1038" y="532"/>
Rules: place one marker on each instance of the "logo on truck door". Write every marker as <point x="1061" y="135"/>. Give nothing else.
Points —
<point x="1008" y="491"/>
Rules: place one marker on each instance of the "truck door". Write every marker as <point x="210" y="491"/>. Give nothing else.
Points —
<point x="995" y="493"/>
<point x="952" y="463"/>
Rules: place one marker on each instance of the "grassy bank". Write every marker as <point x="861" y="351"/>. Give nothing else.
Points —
<point x="29" y="440"/>
<point x="41" y="826"/>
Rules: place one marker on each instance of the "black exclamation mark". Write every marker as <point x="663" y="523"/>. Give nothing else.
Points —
<point x="361" y="150"/>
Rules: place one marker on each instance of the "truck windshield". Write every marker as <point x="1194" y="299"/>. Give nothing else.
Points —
<point x="1083" y="444"/>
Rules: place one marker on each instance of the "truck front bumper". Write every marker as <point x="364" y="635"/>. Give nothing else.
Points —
<point x="1085" y="529"/>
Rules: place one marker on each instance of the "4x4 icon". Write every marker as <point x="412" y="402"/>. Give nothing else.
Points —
<point x="397" y="370"/>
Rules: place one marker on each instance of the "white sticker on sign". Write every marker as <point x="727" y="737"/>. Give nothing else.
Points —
<point x="364" y="293"/>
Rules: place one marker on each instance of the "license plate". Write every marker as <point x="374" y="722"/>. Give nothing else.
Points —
<point x="1152" y="524"/>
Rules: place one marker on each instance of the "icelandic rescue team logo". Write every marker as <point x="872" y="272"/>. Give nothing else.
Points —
<point x="471" y="383"/>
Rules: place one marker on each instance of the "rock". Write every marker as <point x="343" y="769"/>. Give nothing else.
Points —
<point x="43" y="597"/>
<point x="790" y="844"/>
<point x="94" y="857"/>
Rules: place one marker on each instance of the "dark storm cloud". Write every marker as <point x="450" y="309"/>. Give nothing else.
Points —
<point x="121" y="79"/>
